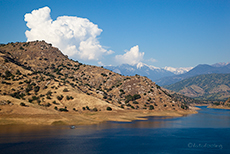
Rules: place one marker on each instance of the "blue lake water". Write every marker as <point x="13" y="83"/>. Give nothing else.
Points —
<point x="207" y="132"/>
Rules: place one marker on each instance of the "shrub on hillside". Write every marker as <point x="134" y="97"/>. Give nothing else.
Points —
<point x="151" y="107"/>
<point x="87" y="108"/>
<point x="74" y="109"/>
<point x="35" y="98"/>
<point x="132" y="98"/>
<point x="109" y="108"/>
<point x="63" y="109"/>
<point x="36" y="89"/>
<point x="30" y="100"/>
<point x="48" y="97"/>
<point x="18" y="72"/>
<point x="47" y="105"/>
<point x="29" y="88"/>
<point x="136" y="96"/>
<point x="49" y="93"/>
<point x="69" y="97"/>
<point x="183" y="106"/>
<point x="95" y="109"/>
<point x="8" y="74"/>
<point x="17" y="95"/>
<point x="105" y="97"/>
<point x="65" y="90"/>
<point x="54" y="102"/>
<point x="23" y="104"/>
<point x="59" y="97"/>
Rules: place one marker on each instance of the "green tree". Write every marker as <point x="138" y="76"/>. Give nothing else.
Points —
<point x="22" y="104"/>
<point x="18" y="72"/>
<point x="29" y="88"/>
<point x="8" y="74"/>
<point x="36" y="89"/>
<point x="95" y="109"/>
<point x="87" y="108"/>
<point x="151" y="107"/>
<point x="109" y="108"/>
<point x="65" y="90"/>
<point x="59" y="97"/>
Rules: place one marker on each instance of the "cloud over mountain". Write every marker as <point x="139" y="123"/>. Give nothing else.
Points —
<point x="132" y="57"/>
<point x="74" y="36"/>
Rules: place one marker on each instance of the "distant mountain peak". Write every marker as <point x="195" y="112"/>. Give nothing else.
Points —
<point x="180" y="70"/>
<point x="151" y="71"/>
<point x="219" y="68"/>
<point x="140" y="65"/>
<point x="177" y="71"/>
<point x="221" y="64"/>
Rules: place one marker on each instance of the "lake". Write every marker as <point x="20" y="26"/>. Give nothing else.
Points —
<point x="207" y="132"/>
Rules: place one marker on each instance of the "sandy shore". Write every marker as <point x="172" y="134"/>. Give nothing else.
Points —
<point x="218" y="107"/>
<point x="194" y="108"/>
<point x="34" y="114"/>
<point x="85" y="118"/>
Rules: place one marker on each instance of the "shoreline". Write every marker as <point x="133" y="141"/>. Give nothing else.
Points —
<point x="86" y="118"/>
<point x="218" y="107"/>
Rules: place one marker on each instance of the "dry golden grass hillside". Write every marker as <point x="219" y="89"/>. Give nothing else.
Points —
<point x="37" y="79"/>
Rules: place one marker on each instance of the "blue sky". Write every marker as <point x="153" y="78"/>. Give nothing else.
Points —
<point x="176" y="33"/>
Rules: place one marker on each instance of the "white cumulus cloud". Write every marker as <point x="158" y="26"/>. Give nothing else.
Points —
<point x="100" y="63"/>
<point x="74" y="36"/>
<point x="132" y="57"/>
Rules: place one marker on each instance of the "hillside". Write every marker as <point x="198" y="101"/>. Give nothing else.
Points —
<point x="198" y="70"/>
<point x="221" y="105"/>
<point x="185" y="99"/>
<point x="37" y="79"/>
<point x="204" y="87"/>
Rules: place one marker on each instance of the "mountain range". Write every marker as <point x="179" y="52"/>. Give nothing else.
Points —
<point x="152" y="72"/>
<point x="169" y="75"/>
<point x="219" y="68"/>
<point x="203" y="82"/>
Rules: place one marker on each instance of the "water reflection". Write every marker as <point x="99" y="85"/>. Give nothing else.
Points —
<point x="206" y="118"/>
<point x="152" y="122"/>
<point x="19" y="133"/>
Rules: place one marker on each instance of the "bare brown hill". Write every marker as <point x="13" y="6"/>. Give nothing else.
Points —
<point x="37" y="79"/>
